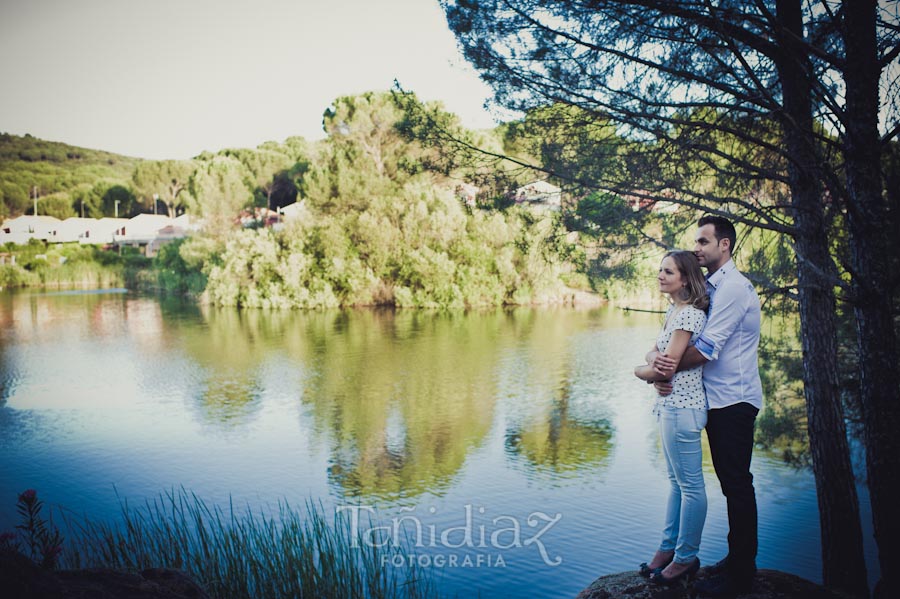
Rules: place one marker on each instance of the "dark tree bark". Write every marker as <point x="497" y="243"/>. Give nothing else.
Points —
<point x="872" y="286"/>
<point x="842" y="554"/>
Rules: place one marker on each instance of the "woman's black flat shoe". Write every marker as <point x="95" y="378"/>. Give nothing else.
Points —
<point x="688" y="574"/>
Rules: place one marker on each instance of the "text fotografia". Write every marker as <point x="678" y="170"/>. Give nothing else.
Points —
<point x="479" y="560"/>
<point x="502" y="533"/>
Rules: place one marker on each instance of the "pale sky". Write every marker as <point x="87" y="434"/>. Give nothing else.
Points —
<point x="172" y="78"/>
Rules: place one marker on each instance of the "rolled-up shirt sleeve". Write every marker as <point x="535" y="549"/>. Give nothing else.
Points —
<point x="729" y="306"/>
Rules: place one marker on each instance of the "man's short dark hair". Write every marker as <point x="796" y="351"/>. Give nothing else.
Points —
<point x="723" y="228"/>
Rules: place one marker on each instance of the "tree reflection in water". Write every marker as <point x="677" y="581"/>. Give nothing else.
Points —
<point x="402" y="398"/>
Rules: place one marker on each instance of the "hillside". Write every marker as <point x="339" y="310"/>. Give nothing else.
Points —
<point x="58" y="170"/>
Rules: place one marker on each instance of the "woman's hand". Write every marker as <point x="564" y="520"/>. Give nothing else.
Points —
<point x="664" y="365"/>
<point x="663" y="387"/>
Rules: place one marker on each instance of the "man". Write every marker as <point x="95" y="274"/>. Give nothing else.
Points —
<point x="728" y="349"/>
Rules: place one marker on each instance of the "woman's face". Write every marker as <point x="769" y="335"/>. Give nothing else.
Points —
<point x="669" y="276"/>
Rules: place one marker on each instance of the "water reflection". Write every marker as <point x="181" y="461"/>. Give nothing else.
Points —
<point x="8" y="372"/>
<point x="512" y="410"/>
<point x="402" y="397"/>
<point x="399" y="399"/>
<point x="555" y="429"/>
<point x="560" y="444"/>
<point x="781" y="426"/>
<point x="228" y="356"/>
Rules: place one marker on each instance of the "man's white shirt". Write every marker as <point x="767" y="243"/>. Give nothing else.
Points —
<point x="730" y="340"/>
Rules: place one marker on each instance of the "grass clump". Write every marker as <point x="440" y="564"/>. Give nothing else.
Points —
<point x="288" y="554"/>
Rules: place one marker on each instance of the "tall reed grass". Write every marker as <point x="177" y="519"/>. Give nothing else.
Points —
<point x="87" y="275"/>
<point x="292" y="553"/>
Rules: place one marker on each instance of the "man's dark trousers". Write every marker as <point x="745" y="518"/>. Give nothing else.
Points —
<point x="730" y="434"/>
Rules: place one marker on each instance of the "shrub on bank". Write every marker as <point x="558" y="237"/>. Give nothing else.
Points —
<point x="433" y="255"/>
<point x="66" y="265"/>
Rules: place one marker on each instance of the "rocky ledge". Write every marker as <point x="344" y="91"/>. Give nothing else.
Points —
<point x="23" y="579"/>
<point x="769" y="584"/>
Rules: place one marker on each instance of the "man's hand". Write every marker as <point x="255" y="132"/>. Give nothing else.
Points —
<point x="664" y="365"/>
<point x="663" y="387"/>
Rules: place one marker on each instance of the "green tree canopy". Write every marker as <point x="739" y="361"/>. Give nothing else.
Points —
<point x="266" y="167"/>
<point x="218" y="191"/>
<point x="166" y="180"/>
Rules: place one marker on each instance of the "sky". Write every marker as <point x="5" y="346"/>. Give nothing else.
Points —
<point x="172" y="78"/>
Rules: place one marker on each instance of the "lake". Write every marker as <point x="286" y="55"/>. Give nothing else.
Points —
<point x="516" y="442"/>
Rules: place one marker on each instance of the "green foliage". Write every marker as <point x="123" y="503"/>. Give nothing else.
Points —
<point x="68" y="265"/>
<point x="268" y="170"/>
<point x="382" y="230"/>
<point x="181" y="265"/>
<point x="576" y="145"/>
<point x="363" y="129"/>
<point x="58" y="204"/>
<point x="13" y="197"/>
<point x="218" y="190"/>
<point x="445" y="148"/>
<point x="166" y="180"/>
<point x="13" y="275"/>
<point x="28" y="163"/>
<point x="782" y="422"/>
<point x="258" y="271"/>
<point x="116" y="200"/>
<point x="420" y="249"/>
<point x="236" y="555"/>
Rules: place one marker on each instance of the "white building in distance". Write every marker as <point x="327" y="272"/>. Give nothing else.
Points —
<point x="23" y="228"/>
<point x="540" y="195"/>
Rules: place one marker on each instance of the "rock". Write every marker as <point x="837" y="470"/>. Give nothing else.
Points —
<point x="768" y="584"/>
<point x="23" y="579"/>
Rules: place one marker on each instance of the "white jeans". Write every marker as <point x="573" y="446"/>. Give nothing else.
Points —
<point x="679" y="429"/>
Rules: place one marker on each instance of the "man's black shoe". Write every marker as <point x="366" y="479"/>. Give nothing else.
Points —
<point x="723" y="585"/>
<point x="718" y="567"/>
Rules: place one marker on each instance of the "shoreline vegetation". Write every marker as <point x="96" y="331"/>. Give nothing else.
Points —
<point x="231" y="553"/>
<point x="80" y="267"/>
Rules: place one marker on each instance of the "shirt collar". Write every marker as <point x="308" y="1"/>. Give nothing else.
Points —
<point x="716" y="278"/>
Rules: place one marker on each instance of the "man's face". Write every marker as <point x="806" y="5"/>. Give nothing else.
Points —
<point x="710" y="252"/>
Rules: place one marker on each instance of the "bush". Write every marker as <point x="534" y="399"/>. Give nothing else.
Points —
<point x="289" y="554"/>
<point x="35" y="537"/>
<point x="181" y="265"/>
<point x="13" y="275"/>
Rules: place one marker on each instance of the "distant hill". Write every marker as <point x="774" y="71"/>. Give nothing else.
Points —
<point x="58" y="170"/>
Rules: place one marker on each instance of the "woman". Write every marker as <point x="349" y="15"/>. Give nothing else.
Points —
<point x="681" y="417"/>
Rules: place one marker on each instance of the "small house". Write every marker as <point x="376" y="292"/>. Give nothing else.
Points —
<point x="73" y="229"/>
<point x="294" y="211"/>
<point x="101" y="231"/>
<point x="148" y="231"/>
<point x="23" y="228"/>
<point x="541" y="195"/>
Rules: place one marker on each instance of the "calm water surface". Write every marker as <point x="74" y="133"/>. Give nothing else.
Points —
<point x="524" y="426"/>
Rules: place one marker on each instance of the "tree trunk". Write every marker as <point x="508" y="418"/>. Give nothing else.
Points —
<point x="870" y="262"/>
<point x="843" y="564"/>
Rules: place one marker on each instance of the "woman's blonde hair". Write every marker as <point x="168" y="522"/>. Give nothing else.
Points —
<point x="694" y="290"/>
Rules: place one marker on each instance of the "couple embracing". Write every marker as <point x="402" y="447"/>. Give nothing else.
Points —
<point x="705" y="369"/>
